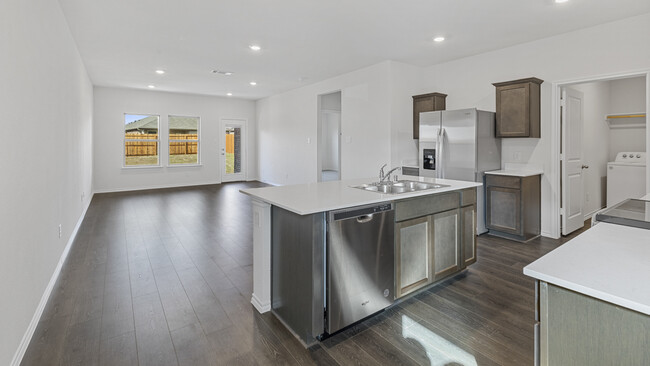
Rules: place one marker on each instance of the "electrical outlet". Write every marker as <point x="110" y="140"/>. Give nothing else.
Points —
<point x="587" y="197"/>
<point x="83" y="195"/>
<point x="309" y="140"/>
<point x="60" y="230"/>
<point x="516" y="156"/>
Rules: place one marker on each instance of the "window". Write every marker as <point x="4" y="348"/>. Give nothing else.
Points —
<point x="183" y="140"/>
<point x="141" y="140"/>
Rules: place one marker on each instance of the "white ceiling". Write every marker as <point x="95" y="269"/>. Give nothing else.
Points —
<point x="122" y="42"/>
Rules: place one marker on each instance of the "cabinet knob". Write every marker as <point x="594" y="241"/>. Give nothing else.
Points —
<point x="585" y="167"/>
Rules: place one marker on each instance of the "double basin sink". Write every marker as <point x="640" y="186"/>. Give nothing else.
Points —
<point x="400" y="186"/>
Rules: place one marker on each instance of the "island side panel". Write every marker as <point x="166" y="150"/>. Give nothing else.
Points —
<point x="580" y="330"/>
<point x="261" y="297"/>
<point x="297" y="272"/>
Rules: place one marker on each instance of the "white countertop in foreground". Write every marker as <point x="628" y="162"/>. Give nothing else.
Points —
<point x="309" y="198"/>
<point x="516" y="173"/>
<point x="608" y="262"/>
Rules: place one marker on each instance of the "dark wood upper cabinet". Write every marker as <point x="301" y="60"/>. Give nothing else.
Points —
<point x="426" y="103"/>
<point x="518" y="108"/>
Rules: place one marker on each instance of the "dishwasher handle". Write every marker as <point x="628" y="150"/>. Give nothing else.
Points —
<point x="361" y="214"/>
<point x="364" y="218"/>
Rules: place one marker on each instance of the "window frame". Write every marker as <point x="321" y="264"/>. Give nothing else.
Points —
<point x="124" y="140"/>
<point x="198" y="142"/>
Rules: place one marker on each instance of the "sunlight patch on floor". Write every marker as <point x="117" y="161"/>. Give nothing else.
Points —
<point x="439" y="350"/>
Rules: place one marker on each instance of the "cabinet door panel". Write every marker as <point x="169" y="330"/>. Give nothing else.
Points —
<point x="503" y="214"/>
<point x="468" y="234"/>
<point x="446" y="243"/>
<point x="513" y="115"/>
<point x="412" y="255"/>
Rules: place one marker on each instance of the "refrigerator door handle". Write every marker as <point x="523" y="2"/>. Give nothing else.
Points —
<point x="441" y="138"/>
<point x="438" y="162"/>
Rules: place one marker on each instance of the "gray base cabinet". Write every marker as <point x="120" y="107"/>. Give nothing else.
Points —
<point x="575" y="329"/>
<point x="513" y="206"/>
<point x="435" y="237"/>
<point x="412" y="254"/>
<point x="446" y="243"/>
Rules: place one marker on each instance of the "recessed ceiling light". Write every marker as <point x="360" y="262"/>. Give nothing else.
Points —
<point x="560" y="1"/>
<point x="253" y="83"/>
<point x="160" y="72"/>
<point x="255" y="47"/>
<point x="151" y="86"/>
<point x="229" y="94"/>
<point x="221" y="72"/>
<point x="439" y="39"/>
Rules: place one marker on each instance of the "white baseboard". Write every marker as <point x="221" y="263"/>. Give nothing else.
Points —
<point x="27" y="337"/>
<point x="591" y="214"/>
<point x="262" y="308"/>
<point x="548" y="234"/>
<point x="162" y="186"/>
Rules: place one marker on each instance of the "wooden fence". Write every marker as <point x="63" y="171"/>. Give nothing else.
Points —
<point x="148" y="148"/>
<point x="183" y="147"/>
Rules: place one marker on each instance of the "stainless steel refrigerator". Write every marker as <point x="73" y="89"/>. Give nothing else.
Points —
<point x="460" y="144"/>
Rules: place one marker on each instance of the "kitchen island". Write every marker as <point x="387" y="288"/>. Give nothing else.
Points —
<point x="593" y="299"/>
<point x="435" y="227"/>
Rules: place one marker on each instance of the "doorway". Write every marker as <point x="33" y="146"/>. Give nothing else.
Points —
<point x="329" y="137"/>
<point x="233" y="150"/>
<point x="598" y="119"/>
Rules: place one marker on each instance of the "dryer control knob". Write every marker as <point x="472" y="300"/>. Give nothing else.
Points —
<point x="625" y="155"/>
<point x="638" y="155"/>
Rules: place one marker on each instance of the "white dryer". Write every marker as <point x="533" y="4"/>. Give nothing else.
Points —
<point x="626" y="177"/>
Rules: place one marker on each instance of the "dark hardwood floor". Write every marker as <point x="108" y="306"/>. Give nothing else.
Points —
<point x="164" y="277"/>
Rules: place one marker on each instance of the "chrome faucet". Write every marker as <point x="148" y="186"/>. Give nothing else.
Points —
<point x="381" y="173"/>
<point x="386" y="177"/>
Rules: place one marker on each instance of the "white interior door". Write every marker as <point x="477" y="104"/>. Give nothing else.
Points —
<point x="233" y="150"/>
<point x="571" y="163"/>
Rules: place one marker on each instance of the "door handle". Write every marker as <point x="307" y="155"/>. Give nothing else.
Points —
<point x="585" y="167"/>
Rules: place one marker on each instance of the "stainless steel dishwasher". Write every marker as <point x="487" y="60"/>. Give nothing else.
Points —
<point x="360" y="263"/>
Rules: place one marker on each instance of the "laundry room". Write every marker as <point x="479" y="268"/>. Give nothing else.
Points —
<point x="613" y="140"/>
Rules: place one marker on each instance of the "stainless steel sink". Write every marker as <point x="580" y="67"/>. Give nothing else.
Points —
<point x="401" y="186"/>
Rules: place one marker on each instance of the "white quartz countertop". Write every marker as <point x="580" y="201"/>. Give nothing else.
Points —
<point x="608" y="262"/>
<point x="516" y="172"/>
<point x="310" y="198"/>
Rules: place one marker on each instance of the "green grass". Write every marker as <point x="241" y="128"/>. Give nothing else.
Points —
<point x="153" y="160"/>
<point x="230" y="163"/>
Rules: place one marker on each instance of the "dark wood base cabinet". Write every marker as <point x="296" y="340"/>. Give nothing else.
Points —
<point x="513" y="206"/>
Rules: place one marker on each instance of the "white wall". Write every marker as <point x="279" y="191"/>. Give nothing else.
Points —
<point x="287" y="127"/>
<point x="628" y="96"/>
<point x="607" y="49"/>
<point x="406" y="81"/>
<point x="46" y="104"/>
<point x="595" y="144"/>
<point x="112" y="103"/>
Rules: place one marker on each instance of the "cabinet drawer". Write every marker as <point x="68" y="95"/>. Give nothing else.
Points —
<point x="426" y="205"/>
<point x="468" y="197"/>
<point x="503" y="181"/>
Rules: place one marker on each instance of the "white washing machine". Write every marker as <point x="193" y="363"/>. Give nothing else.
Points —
<point x="626" y="177"/>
